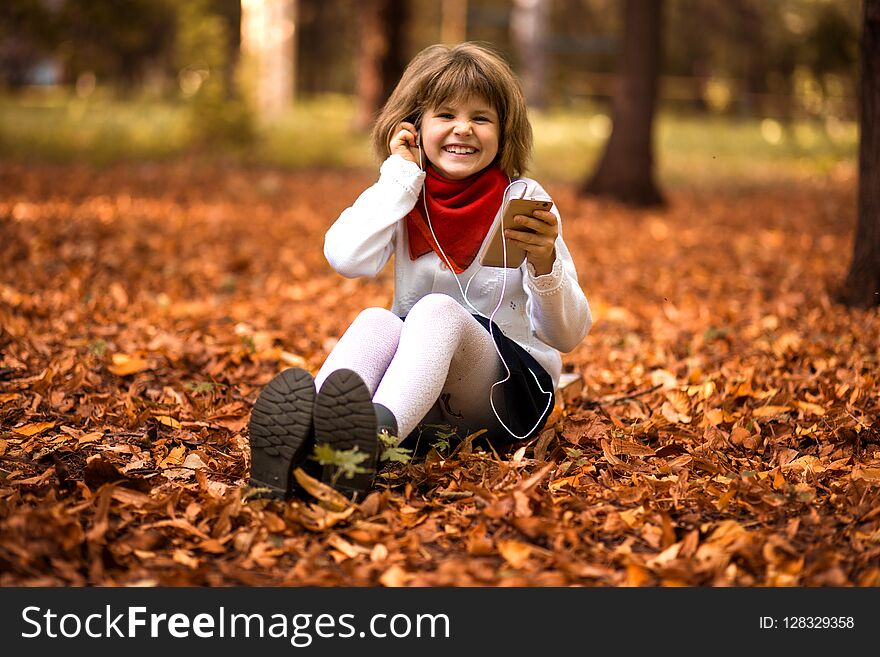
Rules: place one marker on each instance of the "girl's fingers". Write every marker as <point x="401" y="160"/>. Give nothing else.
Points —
<point x="403" y="138"/>
<point x="529" y="241"/>
<point x="406" y="133"/>
<point x="404" y="143"/>
<point x="538" y="224"/>
<point x="545" y="216"/>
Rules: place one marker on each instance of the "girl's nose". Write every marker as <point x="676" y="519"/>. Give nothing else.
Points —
<point x="462" y="127"/>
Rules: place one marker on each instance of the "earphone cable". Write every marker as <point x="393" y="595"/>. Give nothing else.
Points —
<point x="504" y="202"/>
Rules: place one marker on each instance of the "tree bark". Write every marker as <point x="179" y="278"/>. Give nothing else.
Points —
<point x="268" y="33"/>
<point x="528" y="26"/>
<point x="381" y="55"/>
<point x="862" y="288"/>
<point x="626" y="171"/>
<point x="752" y="29"/>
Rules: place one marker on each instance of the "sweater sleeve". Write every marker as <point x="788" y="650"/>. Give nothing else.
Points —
<point x="558" y="308"/>
<point x="361" y="240"/>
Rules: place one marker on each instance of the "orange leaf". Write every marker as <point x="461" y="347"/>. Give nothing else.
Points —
<point x="632" y="517"/>
<point x="168" y="421"/>
<point x="714" y="417"/>
<point x="664" y="378"/>
<point x="34" y="428"/>
<point x="669" y="411"/>
<point x="636" y="575"/>
<point x="174" y="457"/>
<point x="770" y="411"/>
<point x="814" y="409"/>
<point x="123" y="365"/>
<point x="394" y="577"/>
<point x="807" y="463"/>
<point x="514" y="552"/>
<point x="327" y="495"/>
<point x="738" y="435"/>
<point x="868" y="474"/>
<point x="90" y="437"/>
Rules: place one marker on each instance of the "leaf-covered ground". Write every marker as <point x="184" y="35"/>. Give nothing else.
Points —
<point x="726" y="432"/>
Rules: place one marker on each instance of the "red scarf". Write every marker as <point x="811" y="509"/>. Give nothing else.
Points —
<point x="461" y="212"/>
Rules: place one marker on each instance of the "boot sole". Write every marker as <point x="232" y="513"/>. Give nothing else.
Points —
<point x="344" y="419"/>
<point x="281" y="430"/>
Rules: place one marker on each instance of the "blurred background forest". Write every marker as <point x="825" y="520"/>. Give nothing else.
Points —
<point x="748" y="92"/>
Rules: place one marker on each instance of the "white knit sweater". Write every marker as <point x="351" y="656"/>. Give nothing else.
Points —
<point x="543" y="314"/>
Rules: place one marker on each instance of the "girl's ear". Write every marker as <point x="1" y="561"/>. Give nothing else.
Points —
<point x="416" y="120"/>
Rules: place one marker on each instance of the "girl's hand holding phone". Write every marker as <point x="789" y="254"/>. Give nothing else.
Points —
<point x="537" y="238"/>
<point x="404" y="143"/>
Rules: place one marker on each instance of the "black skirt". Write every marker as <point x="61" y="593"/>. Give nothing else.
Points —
<point x="525" y="408"/>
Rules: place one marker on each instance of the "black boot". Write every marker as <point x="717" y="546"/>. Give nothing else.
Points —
<point x="346" y="419"/>
<point x="385" y="420"/>
<point x="281" y="433"/>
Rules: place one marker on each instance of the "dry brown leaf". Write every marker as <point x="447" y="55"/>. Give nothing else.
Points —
<point x="395" y="577"/>
<point x="770" y="411"/>
<point x="168" y="421"/>
<point x="92" y="437"/>
<point x="124" y="365"/>
<point x="807" y="464"/>
<point x="812" y="409"/>
<point x="327" y="495"/>
<point x="514" y="552"/>
<point x="866" y="474"/>
<point x="33" y="429"/>
<point x="629" y="448"/>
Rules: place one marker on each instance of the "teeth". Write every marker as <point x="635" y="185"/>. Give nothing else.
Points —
<point x="458" y="150"/>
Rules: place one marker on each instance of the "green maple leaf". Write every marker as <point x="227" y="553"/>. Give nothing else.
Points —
<point x="396" y="454"/>
<point x="391" y="450"/>
<point x="346" y="460"/>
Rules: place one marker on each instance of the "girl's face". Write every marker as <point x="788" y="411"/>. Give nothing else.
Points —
<point x="460" y="138"/>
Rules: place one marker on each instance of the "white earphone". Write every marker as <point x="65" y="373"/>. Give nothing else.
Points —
<point x="491" y="317"/>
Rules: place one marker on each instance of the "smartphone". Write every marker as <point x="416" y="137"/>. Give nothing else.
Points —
<point x="493" y="253"/>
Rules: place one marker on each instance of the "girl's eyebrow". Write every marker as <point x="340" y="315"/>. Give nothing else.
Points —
<point x="480" y="110"/>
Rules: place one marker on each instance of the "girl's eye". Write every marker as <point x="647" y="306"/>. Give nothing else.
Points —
<point x="481" y="119"/>
<point x="445" y="116"/>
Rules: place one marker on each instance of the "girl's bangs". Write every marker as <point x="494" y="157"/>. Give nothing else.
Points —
<point x="455" y="83"/>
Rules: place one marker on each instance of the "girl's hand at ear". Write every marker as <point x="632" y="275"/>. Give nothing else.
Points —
<point x="403" y="142"/>
<point x="540" y="244"/>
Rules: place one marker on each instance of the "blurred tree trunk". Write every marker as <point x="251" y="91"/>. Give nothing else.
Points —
<point x="752" y="29"/>
<point x="268" y="31"/>
<point x="862" y="288"/>
<point x="626" y="171"/>
<point x="701" y="66"/>
<point x="230" y="11"/>
<point x="528" y="26"/>
<point x="381" y="55"/>
<point x="453" y="22"/>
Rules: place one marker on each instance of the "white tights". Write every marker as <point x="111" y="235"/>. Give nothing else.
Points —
<point x="440" y="360"/>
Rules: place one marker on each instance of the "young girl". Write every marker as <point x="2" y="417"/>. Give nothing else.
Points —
<point x="465" y="345"/>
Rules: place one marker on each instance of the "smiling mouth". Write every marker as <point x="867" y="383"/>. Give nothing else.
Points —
<point x="459" y="150"/>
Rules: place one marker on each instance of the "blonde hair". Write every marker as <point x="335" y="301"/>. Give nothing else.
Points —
<point x="441" y="74"/>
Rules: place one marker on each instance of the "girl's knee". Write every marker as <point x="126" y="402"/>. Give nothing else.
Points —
<point x="435" y="305"/>
<point x="377" y="316"/>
